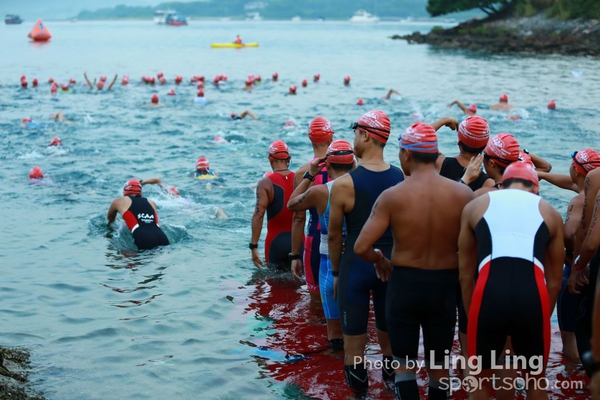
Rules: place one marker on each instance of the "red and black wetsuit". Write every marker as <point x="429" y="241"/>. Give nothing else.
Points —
<point x="278" y="243"/>
<point x="510" y="296"/>
<point x="142" y="221"/>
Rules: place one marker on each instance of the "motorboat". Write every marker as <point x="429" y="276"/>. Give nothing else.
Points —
<point x="176" y="20"/>
<point x="364" y="16"/>
<point x="160" y="16"/>
<point x="12" y="19"/>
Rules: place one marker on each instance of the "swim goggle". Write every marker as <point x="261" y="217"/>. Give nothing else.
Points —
<point x="370" y="129"/>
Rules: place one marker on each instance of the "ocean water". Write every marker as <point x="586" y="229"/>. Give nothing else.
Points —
<point x="195" y="319"/>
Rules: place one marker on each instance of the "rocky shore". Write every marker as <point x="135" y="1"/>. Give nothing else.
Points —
<point x="537" y="35"/>
<point x="14" y="368"/>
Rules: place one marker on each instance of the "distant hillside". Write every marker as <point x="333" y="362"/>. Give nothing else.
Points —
<point x="270" y="9"/>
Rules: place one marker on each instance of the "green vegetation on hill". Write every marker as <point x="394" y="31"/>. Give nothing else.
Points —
<point x="560" y="9"/>
<point x="273" y="9"/>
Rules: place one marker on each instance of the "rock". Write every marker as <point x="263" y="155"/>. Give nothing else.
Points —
<point x="14" y="368"/>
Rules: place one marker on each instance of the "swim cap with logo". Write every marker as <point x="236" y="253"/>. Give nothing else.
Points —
<point x="36" y="173"/>
<point x="525" y="158"/>
<point x="279" y="150"/>
<point x="320" y="130"/>
<point x="504" y="98"/>
<point x="474" y="132"/>
<point x="420" y="138"/>
<point x="340" y="152"/>
<point x="586" y="160"/>
<point x="202" y="164"/>
<point x="377" y="124"/>
<point x="132" y="187"/>
<point x="502" y="149"/>
<point x="520" y="170"/>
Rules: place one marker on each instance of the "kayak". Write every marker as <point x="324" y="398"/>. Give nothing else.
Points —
<point x="232" y="45"/>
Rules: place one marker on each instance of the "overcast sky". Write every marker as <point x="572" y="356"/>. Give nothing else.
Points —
<point x="61" y="9"/>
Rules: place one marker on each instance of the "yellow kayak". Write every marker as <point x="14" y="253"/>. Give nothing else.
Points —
<point x="232" y="45"/>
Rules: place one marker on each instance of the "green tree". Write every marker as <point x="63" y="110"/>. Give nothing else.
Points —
<point x="490" y="7"/>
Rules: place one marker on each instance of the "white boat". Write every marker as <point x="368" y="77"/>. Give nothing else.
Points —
<point x="364" y="16"/>
<point x="160" y="16"/>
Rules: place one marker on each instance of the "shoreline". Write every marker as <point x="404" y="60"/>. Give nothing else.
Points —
<point x="14" y="370"/>
<point x="536" y="35"/>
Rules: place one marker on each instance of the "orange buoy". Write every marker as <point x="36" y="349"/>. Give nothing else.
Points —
<point x="39" y="33"/>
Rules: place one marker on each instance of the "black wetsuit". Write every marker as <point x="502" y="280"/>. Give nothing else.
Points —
<point x="452" y="169"/>
<point x="142" y="221"/>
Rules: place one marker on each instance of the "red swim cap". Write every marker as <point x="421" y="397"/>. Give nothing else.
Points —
<point x="174" y="192"/>
<point x="519" y="170"/>
<point x="72" y="81"/>
<point x="317" y="77"/>
<point x="377" y="124"/>
<point x="320" y="130"/>
<point x="474" y="132"/>
<point x="525" y="158"/>
<point x="340" y="152"/>
<point x="50" y="80"/>
<point x="200" y="93"/>
<point x="178" y="79"/>
<point x="420" y="137"/>
<point x="154" y="98"/>
<point x="201" y="78"/>
<point x="35" y="82"/>
<point x="202" y="164"/>
<point x="100" y="85"/>
<point x="151" y="80"/>
<point x="162" y="80"/>
<point x="159" y="75"/>
<point x="23" y="78"/>
<point x="552" y="105"/>
<point x="293" y="89"/>
<point x="304" y="83"/>
<point x="53" y="87"/>
<point x="132" y="187"/>
<point x="36" y="173"/>
<point x="55" y="141"/>
<point x="279" y="150"/>
<point x="275" y="76"/>
<point x="586" y="160"/>
<point x="473" y="108"/>
<point x="224" y="77"/>
<point x="258" y="79"/>
<point x="504" y="98"/>
<point x="171" y="92"/>
<point x="360" y="102"/>
<point x="103" y="78"/>
<point x="346" y="79"/>
<point x="64" y="87"/>
<point x="26" y="120"/>
<point x="24" y="84"/>
<point x="503" y="149"/>
<point x="248" y="82"/>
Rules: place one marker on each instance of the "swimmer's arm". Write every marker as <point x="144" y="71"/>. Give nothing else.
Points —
<point x="592" y="239"/>
<point x="467" y="255"/>
<point x="303" y="197"/>
<point x="462" y="107"/>
<point x="446" y="121"/>
<point x="560" y="180"/>
<point x="596" y="324"/>
<point x="262" y="202"/>
<point x="113" y="82"/>
<point x="113" y="210"/>
<point x="389" y="93"/>
<point x="88" y="80"/>
<point x="247" y="112"/>
<point x="336" y="223"/>
<point x="572" y="220"/>
<point x="540" y="164"/>
<point x="555" y="255"/>
<point x="151" y="181"/>
<point x="591" y="187"/>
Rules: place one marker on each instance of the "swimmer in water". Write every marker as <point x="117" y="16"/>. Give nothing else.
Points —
<point x="243" y="115"/>
<point x="101" y="82"/>
<point x="292" y="90"/>
<point x="238" y="40"/>
<point x="200" y="99"/>
<point x="55" y="141"/>
<point x="140" y="216"/>
<point x="502" y="104"/>
<point x="471" y="110"/>
<point x="36" y="175"/>
<point x="154" y="101"/>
